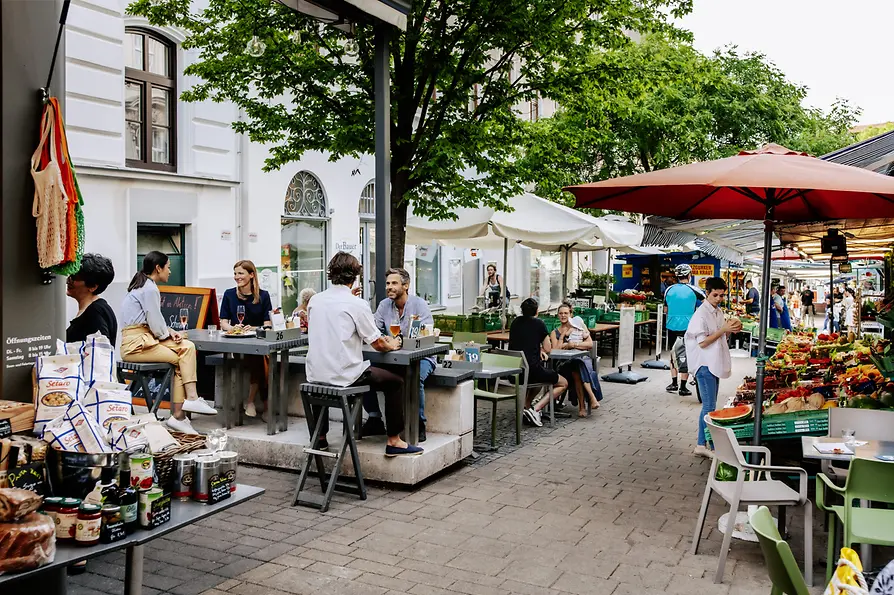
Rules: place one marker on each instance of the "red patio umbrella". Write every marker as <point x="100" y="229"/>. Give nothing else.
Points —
<point x="771" y="184"/>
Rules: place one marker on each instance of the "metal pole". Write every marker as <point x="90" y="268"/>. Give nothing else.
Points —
<point x="608" y="270"/>
<point x="503" y="297"/>
<point x="383" y="158"/>
<point x="762" y="328"/>
<point x="831" y="297"/>
<point x="565" y="273"/>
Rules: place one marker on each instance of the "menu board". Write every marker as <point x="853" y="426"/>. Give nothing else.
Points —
<point x="200" y="302"/>
<point x="218" y="488"/>
<point x="625" y="336"/>
<point x="28" y="477"/>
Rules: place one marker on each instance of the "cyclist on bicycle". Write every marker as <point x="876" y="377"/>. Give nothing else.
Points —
<point x="682" y="300"/>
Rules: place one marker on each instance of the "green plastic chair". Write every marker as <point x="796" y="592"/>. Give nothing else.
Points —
<point x="518" y="384"/>
<point x="781" y="564"/>
<point x="867" y="479"/>
<point x="464" y="337"/>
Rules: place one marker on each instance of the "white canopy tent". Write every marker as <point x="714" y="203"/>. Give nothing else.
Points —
<point x="533" y="222"/>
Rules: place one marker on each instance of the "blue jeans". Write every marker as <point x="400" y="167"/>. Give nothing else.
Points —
<point x="708" y="386"/>
<point x="371" y="401"/>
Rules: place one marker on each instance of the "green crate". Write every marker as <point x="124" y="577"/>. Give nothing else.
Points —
<point x="641" y="315"/>
<point x="611" y="316"/>
<point x="552" y="322"/>
<point x="590" y="320"/>
<point x="796" y="423"/>
<point x="476" y="324"/>
<point x="775" y="334"/>
<point x="445" y="322"/>
<point x="492" y="323"/>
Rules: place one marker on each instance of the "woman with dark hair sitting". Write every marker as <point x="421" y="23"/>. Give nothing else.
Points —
<point x="572" y="333"/>
<point x="146" y="338"/>
<point x="94" y="313"/>
<point x="528" y="334"/>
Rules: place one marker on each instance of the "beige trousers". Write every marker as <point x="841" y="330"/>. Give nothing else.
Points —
<point x="140" y="345"/>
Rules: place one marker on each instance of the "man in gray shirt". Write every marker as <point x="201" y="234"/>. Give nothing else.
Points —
<point x="399" y="308"/>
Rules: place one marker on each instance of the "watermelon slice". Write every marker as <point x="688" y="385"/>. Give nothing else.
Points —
<point x="731" y="415"/>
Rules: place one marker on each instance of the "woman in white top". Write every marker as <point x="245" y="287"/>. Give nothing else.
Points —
<point x="572" y="333"/>
<point x="146" y="338"/>
<point x="848" y="304"/>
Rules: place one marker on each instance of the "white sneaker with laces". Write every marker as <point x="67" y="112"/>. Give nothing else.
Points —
<point x="199" y="405"/>
<point x="183" y="426"/>
<point x="533" y="416"/>
<point x="250" y="410"/>
<point x="703" y="451"/>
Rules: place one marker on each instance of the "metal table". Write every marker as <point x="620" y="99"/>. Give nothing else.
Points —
<point x="238" y="349"/>
<point x="409" y="360"/>
<point x="494" y="372"/>
<point x="567" y="354"/>
<point x="51" y="579"/>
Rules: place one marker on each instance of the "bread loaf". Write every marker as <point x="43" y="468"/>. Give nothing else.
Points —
<point x="27" y="543"/>
<point x="15" y="503"/>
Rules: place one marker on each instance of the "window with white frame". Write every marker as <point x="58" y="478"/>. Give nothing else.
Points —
<point x="303" y="237"/>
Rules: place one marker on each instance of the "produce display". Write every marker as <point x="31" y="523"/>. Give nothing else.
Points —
<point x="809" y="373"/>
<point x="634" y="296"/>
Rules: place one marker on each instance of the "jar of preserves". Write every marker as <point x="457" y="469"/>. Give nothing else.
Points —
<point x="89" y="524"/>
<point x="51" y="506"/>
<point x="112" y="524"/>
<point x="67" y="519"/>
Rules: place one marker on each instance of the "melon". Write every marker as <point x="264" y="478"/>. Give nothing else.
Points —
<point x="731" y="415"/>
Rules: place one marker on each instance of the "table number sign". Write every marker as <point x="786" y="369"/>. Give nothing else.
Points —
<point x="415" y="329"/>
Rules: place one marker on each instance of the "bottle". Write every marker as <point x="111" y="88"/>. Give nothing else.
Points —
<point x="128" y="499"/>
<point x="104" y="487"/>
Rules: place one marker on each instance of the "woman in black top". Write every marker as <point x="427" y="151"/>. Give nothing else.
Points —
<point x="94" y="313"/>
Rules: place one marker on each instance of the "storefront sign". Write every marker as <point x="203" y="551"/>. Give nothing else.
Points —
<point x="703" y="270"/>
<point x="226" y="235"/>
<point x="349" y="246"/>
<point x="22" y="351"/>
<point x="627" y="271"/>
<point x="845" y="267"/>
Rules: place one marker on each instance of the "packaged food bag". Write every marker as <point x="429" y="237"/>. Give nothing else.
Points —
<point x="127" y="436"/>
<point x="60" y="434"/>
<point x="107" y="402"/>
<point x="58" y="385"/>
<point x="91" y="436"/>
<point x="97" y="355"/>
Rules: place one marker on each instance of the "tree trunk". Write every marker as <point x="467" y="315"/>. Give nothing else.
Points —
<point x="399" y="210"/>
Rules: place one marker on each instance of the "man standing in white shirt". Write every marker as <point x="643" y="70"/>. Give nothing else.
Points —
<point x="338" y="324"/>
<point x="707" y="352"/>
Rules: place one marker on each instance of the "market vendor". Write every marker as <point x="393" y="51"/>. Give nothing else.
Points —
<point x="779" y="314"/>
<point x="752" y="299"/>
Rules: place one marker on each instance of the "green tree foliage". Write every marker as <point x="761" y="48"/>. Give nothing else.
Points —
<point x="660" y="103"/>
<point x="458" y="72"/>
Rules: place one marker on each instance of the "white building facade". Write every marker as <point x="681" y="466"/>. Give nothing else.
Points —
<point x="157" y="173"/>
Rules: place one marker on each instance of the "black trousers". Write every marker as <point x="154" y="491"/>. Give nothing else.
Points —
<point x="391" y="385"/>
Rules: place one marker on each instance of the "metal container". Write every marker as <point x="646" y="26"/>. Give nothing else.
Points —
<point x="228" y="466"/>
<point x="206" y="467"/>
<point x="74" y="474"/>
<point x="184" y="473"/>
<point x="142" y="471"/>
<point x="145" y="507"/>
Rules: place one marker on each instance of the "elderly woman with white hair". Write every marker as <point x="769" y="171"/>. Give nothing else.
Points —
<point x="301" y="311"/>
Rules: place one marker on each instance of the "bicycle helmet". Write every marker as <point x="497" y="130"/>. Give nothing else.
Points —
<point x="683" y="270"/>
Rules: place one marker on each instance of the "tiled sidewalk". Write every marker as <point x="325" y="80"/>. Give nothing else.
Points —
<point x="604" y="505"/>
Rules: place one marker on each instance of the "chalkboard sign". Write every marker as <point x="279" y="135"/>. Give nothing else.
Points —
<point x="160" y="511"/>
<point x="28" y="477"/>
<point x="112" y="532"/>
<point x="201" y="302"/>
<point x="218" y="488"/>
<point x="5" y="428"/>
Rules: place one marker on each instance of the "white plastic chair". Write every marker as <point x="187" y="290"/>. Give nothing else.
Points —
<point x="757" y="491"/>
<point x="867" y="424"/>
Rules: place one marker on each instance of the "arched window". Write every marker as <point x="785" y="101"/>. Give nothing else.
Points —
<point x="303" y="234"/>
<point x="368" y="202"/>
<point x="367" y="213"/>
<point x="150" y="99"/>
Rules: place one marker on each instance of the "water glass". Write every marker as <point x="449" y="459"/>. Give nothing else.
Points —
<point x="212" y="330"/>
<point x="849" y="437"/>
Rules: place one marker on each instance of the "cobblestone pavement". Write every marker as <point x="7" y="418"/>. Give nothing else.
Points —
<point x="604" y="505"/>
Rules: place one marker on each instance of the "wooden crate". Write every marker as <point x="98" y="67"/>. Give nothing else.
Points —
<point x="20" y="415"/>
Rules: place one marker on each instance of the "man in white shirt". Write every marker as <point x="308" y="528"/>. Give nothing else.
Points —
<point x="339" y="323"/>
<point x="707" y="352"/>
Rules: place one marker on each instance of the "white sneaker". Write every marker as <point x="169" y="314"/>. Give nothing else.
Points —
<point x="533" y="416"/>
<point x="184" y="426"/>
<point x="703" y="451"/>
<point x="199" y="405"/>
<point x="250" y="410"/>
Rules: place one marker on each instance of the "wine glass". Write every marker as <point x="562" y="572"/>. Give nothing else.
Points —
<point x="240" y="313"/>
<point x="184" y="318"/>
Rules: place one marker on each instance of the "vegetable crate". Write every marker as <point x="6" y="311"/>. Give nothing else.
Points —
<point x="445" y="323"/>
<point x="775" y="334"/>
<point x="641" y="316"/>
<point x="552" y="322"/>
<point x="783" y="425"/>
<point x="611" y="317"/>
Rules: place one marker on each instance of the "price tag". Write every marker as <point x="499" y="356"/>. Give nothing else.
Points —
<point x="28" y="477"/>
<point x="160" y="511"/>
<point x="112" y="532"/>
<point x="218" y="488"/>
<point x="5" y="428"/>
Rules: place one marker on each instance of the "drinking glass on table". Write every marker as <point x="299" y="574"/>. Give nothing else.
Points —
<point x="395" y="327"/>
<point x="240" y="313"/>
<point x="849" y="437"/>
<point x="212" y="330"/>
<point x="184" y="318"/>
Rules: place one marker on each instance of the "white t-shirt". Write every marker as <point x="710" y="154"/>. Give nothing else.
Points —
<point x="706" y="321"/>
<point x="338" y="324"/>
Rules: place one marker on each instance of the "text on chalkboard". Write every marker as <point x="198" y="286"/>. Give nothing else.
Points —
<point x="5" y="428"/>
<point x="218" y="488"/>
<point x="112" y="532"/>
<point x="28" y="477"/>
<point x="160" y="511"/>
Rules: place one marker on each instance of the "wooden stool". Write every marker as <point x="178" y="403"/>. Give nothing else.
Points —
<point x="350" y="400"/>
<point x="139" y="373"/>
